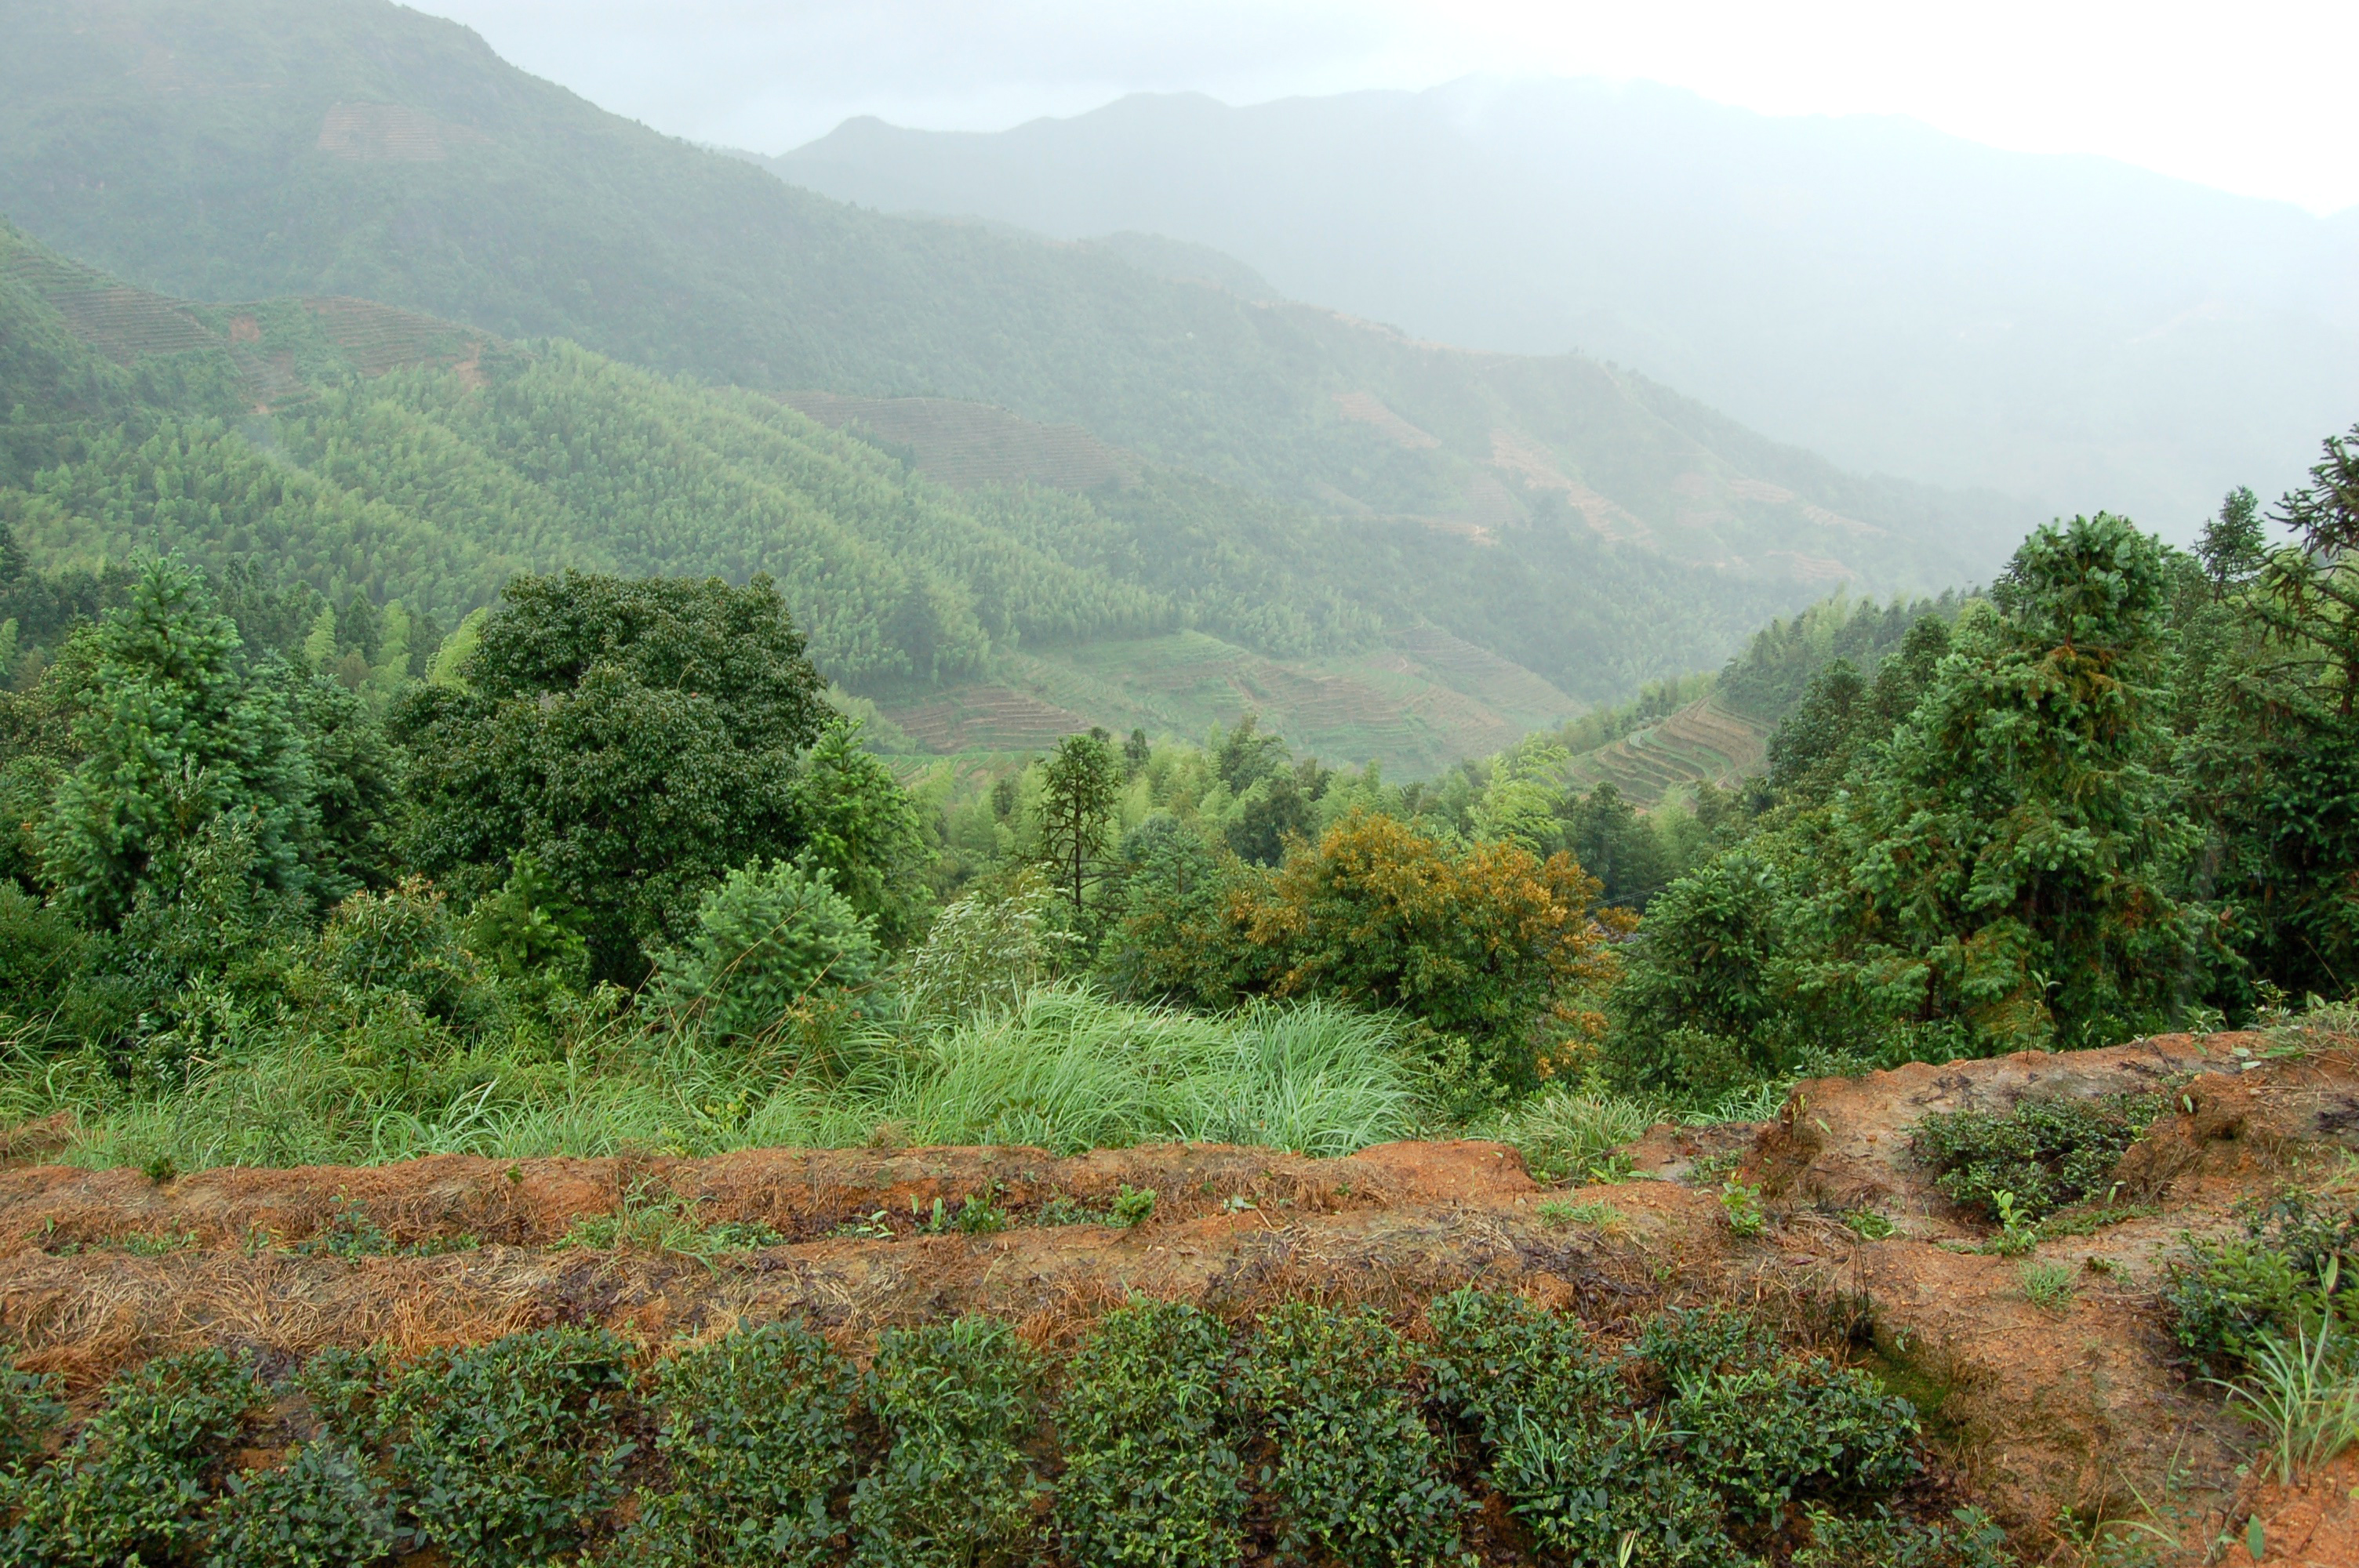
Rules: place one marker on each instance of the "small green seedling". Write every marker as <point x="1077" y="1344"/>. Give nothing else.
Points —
<point x="1868" y="1224"/>
<point x="2015" y="1236"/>
<point x="1132" y="1205"/>
<point x="1742" y="1204"/>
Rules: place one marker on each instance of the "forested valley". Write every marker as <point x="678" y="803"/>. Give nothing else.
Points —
<point x="689" y="877"/>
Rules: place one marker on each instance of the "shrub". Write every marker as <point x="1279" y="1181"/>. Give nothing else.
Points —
<point x="765" y="939"/>
<point x="2046" y="1152"/>
<point x="318" y="1511"/>
<point x="1688" y="1346"/>
<point x="132" y="1484"/>
<point x="505" y="1451"/>
<point x="405" y="939"/>
<point x="756" y="1428"/>
<point x="2284" y="1276"/>
<point x="1152" y="1476"/>
<point x="1358" y="1474"/>
<point x="40" y="949"/>
<point x="986" y="953"/>
<point x="956" y="1487"/>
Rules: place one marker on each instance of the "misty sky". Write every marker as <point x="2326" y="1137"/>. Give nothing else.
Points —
<point x="2251" y="96"/>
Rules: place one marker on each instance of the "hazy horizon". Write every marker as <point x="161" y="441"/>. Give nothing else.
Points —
<point x="2254" y="110"/>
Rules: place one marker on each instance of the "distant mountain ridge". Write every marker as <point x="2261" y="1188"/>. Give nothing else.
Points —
<point x="2071" y="330"/>
<point x="252" y="148"/>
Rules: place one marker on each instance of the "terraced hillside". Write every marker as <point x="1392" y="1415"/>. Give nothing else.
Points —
<point x="1414" y="705"/>
<point x="1703" y="742"/>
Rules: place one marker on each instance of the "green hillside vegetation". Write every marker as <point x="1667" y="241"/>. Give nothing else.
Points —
<point x="266" y="148"/>
<point x="378" y="456"/>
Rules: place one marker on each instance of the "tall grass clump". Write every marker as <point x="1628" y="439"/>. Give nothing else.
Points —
<point x="1067" y="1069"/>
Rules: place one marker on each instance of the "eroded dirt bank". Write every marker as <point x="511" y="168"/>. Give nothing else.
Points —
<point x="2054" y="1416"/>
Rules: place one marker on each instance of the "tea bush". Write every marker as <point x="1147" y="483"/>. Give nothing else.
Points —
<point x="1152" y="1475"/>
<point x="1358" y="1474"/>
<point x="756" y="1431"/>
<point x="28" y="1413"/>
<point x="2046" y="1152"/>
<point x="321" y="1509"/>
<point x="131" y="1484"/>
<point x="956" y="1488"/>
<point x="503" y="1452"/>
<point x="2285" y="1275"/>
<point x="1609" y="1493"/>
<point x="1883" y="1542"/>
<point x="1496" y="1355"/>
<point x="1764" y="1435"/>
<point x="347" y="1391"/>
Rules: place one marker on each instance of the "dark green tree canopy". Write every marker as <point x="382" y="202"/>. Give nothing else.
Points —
<point x="638" y="738"/>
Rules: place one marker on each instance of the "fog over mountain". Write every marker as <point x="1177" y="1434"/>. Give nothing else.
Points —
<point x="2070" y="330"/>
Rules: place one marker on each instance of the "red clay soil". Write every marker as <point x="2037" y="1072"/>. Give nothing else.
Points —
<point x="2086" y="1408"/>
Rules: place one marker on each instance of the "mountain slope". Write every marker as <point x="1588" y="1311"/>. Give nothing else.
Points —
<point x="2067" y="329"/>
<point x="257" y="147"/>
<point x="992" y="583"/>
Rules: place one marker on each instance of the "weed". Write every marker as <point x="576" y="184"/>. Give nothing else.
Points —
<point x="1742" y="1204"/>
<point x="655" y="1221"/>
<point x="131" y="1484"/>
<point x="2046" y="1153"/>
<point x="1609" y="1493"/>
<point x="2048" y="1285"/>
<point x="978" y="1215"/>
<point x="351" y="1231"/>
<point x="1559" y="1216"/>
<point x="2015" y="1237"/>
<point x="1132" y="1206"/>
<point x="756" y="1429"/>
<point x="503" y="1452"/>
<point x="1152" y="1474"/>
<point x="1063" y="1210"/>
<point x="1868" y="1224"/>
<point x="2303" y="1394"/>
<point x="140" y="1245"/>
<point x="320" y="1509"/>
<point x="1712" y="1168"/>
<point x="1563" y="1132"/>
<point x="1358" y="1474"/>
<point x="956" y="1488"/>
<point x="878" y="1226"/>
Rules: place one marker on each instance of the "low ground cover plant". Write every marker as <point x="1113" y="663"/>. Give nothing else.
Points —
<point x="2039" y="1157"/>
<point x="2288" y="1273"/>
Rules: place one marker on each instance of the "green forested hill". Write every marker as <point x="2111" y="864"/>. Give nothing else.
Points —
<point x="366" y="450"/>
<point x="251" y="148"/>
